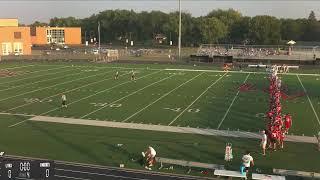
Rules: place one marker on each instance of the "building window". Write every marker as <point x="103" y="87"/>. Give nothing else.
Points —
<point x="6" y="48"/>
<point x="17" y="48"/>
<point x="33" y="31"/>
<point x="17" y="35"/>
<point x="55" y="36"/>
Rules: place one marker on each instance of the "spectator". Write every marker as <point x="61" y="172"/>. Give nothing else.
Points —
<point x="247" y="161"/>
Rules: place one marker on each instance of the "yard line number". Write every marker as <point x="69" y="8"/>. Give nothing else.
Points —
<point x="106" y="104"/>
<point x="181" y="109"/>
<point x="36" y="100"/>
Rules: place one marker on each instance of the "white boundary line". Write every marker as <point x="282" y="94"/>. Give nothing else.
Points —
<point x="27" y="84"/>
<point x="241" y="72"/>
<point x="235" y="97"/>
<point x="100" y="92"/>
<point x="68" y="177"/>
<point x="67" y="91"/>
<point x="161" y="98"/>
<point x="164" y="128"/>
<point x="127" y="96"/>
<point x="51" y="86"/>
<point x="98" y="174"/>
<point x="34" y="76"/>
<point x="305" y="91"/>
<point x="197" y="98"/>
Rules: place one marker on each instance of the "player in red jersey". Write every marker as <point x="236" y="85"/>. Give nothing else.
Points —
<point x="287" y="122"/>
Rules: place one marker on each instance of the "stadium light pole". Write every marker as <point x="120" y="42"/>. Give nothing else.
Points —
<point x="179" y="39"/>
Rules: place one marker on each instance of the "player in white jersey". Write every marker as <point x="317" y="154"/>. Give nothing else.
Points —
<point x="64" y="100"/>
<point x="116" y="76"/>
<point x="133" y="76"/>
<point x="264" y="142"/>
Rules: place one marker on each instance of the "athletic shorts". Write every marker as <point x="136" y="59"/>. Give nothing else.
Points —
<point x="64" y="102"/>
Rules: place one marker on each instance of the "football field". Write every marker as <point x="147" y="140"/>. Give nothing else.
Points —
<point x="159" y="95"/>
<point x="172" y="96"/>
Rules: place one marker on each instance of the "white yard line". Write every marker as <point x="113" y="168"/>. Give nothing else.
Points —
<point x="235" y="97"/>
<point x="32" y="77"/>
<point x="100" y="92"/>
<point x="305" y="91"/>
<point x="67" y="91"/>
<point x="197" y="99"/>
<point x="50" y="86"/>
<point x="241" y="72"/>
<point x="13" y="125"/>
<point x="16" y="114"/>
<point x="161" y="98"/>
<point x="27" y="84"/>
<point x="127" y="96"/>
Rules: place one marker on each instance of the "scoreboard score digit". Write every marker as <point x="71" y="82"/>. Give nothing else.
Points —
<point x="26" y="169"/>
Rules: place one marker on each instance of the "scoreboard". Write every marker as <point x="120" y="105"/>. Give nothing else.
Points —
<point x="26" y="169"/>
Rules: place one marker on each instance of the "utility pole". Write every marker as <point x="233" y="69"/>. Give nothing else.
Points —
<point x="179" y="41"/>
<point x="85" y="36"/>
<point x="99" y="37"/>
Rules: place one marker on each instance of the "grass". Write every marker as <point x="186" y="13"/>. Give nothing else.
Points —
<point x="158" y="96"/>
<point x="99" y="146"/>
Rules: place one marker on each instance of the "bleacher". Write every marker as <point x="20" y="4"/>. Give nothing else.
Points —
<point x="256" y="54"/>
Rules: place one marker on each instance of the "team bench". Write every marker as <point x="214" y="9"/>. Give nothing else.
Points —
<point x="230" y="174"/>
<point x="267" y="177"/>
<point x="188" y="163"/>
<point x="296" y="173"/>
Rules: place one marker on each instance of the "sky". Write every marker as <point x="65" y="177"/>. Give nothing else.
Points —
<point x="41" y="10"/>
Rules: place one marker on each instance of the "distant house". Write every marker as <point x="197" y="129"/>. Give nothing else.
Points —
<point x="160" y="38"/>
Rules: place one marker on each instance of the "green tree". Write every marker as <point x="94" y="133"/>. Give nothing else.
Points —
<point x="240" y="30"/>
<point x="39" y="24"/>
<point x="228" y="17"/>
<point x="312" y="16"/>
<point x="291" y="29"/>
<point x="265" y="30"/>
<point x="65" y="22"/>
<point x="212" y="30"/>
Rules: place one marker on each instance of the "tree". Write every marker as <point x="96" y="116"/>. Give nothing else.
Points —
<point x="312" y="16"/>
<point x="226" y="26"/>
<point x="240" y="31"/>
<point x="228" y="17"/>
<point x="212" y="30"/>
<point x="265" y="30"/>
<point x="291" y="29"/>
<point x="65" y="22"/>
<point x="38" y="24"/>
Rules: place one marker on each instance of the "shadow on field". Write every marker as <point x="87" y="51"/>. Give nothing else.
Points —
<point x="73" y="146"/>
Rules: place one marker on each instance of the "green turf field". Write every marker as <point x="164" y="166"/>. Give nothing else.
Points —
<point x="157" y="96"/>
<point x="204" y="99"/>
